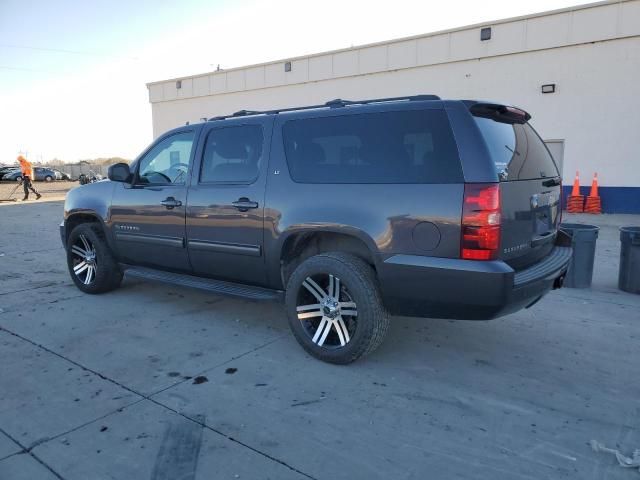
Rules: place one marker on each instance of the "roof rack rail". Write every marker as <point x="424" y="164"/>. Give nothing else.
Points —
<point x="243" y="113"/>
<point x="336" y="103"/>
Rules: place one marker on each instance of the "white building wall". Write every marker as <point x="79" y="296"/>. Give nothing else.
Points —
<point x="591" y="53"/>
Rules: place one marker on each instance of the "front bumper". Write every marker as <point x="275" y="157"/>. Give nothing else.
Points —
<point x="63" y="234"/>
<point x="465" y="289"/>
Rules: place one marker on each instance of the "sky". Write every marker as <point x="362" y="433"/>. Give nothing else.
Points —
<point x="73" y="74"/>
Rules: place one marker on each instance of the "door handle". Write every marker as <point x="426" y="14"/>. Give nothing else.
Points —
<point x="171" y="202"/>
<point x="244" y="204"/>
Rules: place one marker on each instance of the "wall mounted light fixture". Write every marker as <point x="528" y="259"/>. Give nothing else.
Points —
<point x="548" y="88"/>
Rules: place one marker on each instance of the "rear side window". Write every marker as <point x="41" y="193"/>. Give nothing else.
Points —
<point x="517" y="151"/>
<point x="414" y="146"/>
<point x="232" y="155"/>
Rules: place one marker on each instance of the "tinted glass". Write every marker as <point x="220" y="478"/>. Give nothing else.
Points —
<point x="517" y="151"/>
<point x="232" y="154"/>
<point x="414" y="146"/>
<point x="168" y="161"/>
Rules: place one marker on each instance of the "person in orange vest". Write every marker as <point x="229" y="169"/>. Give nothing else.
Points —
<point x="27" y="176"/>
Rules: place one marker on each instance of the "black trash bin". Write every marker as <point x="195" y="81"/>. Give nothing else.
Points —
<point x="629" y="273"/>
<point x="583" y="242"/>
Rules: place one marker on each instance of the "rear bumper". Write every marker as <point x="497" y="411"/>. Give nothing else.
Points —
<point x="464" y="289"/>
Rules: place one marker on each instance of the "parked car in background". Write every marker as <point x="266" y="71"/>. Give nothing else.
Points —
<point x="44" y="174"/>
<point x="41" y="174"/>
<point x="13" y="175"/>
<point x="7" y="170"/>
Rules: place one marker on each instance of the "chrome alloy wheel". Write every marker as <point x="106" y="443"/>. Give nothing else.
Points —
<point x="84" y="260"/>
<point x="331" y="320"/>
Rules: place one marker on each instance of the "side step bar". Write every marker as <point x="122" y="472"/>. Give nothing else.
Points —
<point x="210" y="285"/>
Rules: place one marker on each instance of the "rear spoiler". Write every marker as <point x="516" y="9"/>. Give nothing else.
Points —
<point x="500" y="113"/>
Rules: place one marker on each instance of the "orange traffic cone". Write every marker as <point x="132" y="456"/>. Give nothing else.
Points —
<point x="594" y="186"/>
<point x="593" y="204"/>
<point x="575" y="202"/>
<point x="575" y="192"/>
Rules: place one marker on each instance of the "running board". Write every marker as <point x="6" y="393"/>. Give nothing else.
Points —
<point x="208" y="284"/>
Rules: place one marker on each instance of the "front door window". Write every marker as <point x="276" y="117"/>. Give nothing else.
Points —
<point x="168" y="161"/>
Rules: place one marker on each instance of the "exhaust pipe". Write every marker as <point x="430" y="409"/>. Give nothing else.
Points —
<point x="557" y="283"/>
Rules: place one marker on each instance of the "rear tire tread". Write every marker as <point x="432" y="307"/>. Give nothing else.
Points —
<point x="379" y="316"/>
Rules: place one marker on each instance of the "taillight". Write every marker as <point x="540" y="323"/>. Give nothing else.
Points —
<point x="480" y="221"/>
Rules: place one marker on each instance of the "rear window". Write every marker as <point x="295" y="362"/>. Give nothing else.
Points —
<point x="414" y="146"/>
<point x="517" y="151"/>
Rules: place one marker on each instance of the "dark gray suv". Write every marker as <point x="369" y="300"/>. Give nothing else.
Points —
<point x="348" y="211"/>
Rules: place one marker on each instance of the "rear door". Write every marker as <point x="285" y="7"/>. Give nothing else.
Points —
<point x="225" y="212"/>
<point x="529" y="190"/>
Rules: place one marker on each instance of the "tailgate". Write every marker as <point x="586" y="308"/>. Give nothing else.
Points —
<point x="529" y="189"/>
<point x="530" y="219"/>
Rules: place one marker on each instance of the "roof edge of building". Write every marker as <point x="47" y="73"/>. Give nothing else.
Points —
<point x="398" y="40"/>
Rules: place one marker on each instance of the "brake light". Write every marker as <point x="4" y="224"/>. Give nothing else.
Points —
<point x="480" y="221"/>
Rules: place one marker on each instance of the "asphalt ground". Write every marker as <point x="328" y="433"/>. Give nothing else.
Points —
<point x="159" y="382"/>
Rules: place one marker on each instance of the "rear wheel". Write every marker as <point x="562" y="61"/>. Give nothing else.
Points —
<point x="91" y="263"/>
<point x="48" y="178"/>
<point x="335" y="309"/>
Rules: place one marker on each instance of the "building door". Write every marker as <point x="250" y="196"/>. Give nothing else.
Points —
<point x="556" y="147"/>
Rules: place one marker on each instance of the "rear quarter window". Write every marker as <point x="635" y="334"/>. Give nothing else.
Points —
<point x="516" y="150"/>
<point x="413" y="146"/>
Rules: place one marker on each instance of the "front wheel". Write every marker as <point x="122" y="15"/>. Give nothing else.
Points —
<point x="48" y="178"/>
<point x="91" y="263"/>
<point x="335" y="309"/>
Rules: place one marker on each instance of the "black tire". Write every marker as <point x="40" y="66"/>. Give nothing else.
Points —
<point x="107" y="275"/>
<point x="358" y="285"/>
<point x="48" y="178"/>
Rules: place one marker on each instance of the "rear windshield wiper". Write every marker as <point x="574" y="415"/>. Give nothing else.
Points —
<point x="515" y="152"/>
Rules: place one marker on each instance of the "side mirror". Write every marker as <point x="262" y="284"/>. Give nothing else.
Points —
<point x="119" y="172"/>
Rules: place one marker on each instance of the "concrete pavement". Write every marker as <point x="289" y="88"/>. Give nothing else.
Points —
<point x="154" y="381"/>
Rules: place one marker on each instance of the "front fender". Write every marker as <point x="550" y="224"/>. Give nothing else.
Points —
<point x="94" y="200"/>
